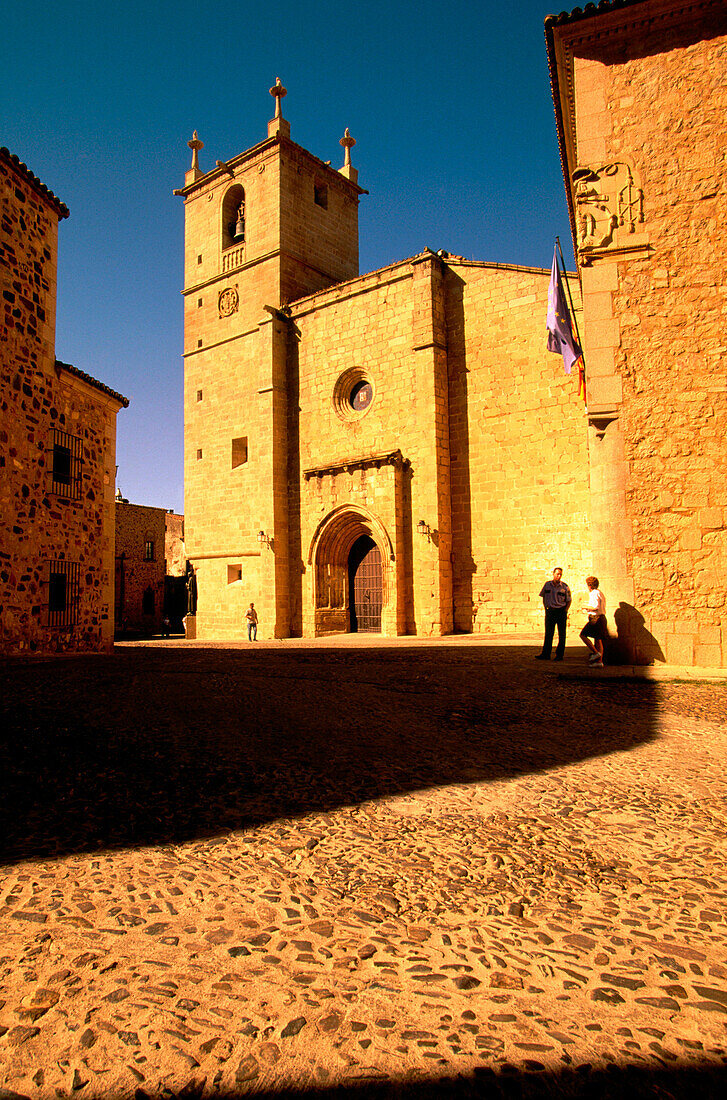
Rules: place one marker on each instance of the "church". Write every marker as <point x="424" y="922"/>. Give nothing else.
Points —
<point x="397" y="452"/>
<point x="394" y="452"/>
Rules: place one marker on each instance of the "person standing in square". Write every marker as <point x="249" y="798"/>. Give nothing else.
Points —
<point x="556" y="599"/>
<point x="251" y="619"/>
<point x="595" y="632"/>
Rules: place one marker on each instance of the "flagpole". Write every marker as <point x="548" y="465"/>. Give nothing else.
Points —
<point x="570" y="299"/>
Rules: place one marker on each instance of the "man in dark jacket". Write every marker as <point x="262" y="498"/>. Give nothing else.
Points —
<point x="556" y="599"/>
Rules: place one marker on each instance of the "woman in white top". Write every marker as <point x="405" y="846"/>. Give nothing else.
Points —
<point x="594" y="632"/>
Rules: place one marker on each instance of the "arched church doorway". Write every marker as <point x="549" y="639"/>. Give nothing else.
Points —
<point x="365" y="586"/>
<point x="351" y="556"/>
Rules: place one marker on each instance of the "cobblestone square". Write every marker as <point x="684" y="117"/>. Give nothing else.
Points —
<point x="386" y="869"/>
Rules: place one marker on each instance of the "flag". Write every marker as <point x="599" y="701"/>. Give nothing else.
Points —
<point x="558" y="322"/>
<point x="581" y="380"/>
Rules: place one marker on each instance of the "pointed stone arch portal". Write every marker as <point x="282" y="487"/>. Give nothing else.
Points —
<point x="351" y="555"/>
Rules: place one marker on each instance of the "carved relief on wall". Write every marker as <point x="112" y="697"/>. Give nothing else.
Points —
<point x="608" y="203"/>
<point x="228" y="301"/>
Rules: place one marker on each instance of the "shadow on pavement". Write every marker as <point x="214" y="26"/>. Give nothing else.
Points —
<point x="618" y="1083"/>
<point x="157" y="745"/>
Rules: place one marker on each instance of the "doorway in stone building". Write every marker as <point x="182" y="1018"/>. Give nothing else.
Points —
<point x="351" y="557"/>
<point x="365" y="586"/>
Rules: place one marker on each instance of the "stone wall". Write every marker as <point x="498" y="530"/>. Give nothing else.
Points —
<point x="42" y="522"/>
<point x="370" y="325"/>
<point x="454" y="353"/>
<point x="319" y="243"/>
<point x="140" y="568"/>
<point x="226" y="399"/>
<point x="649" y="103"/>
<point x="174" y="550"/>
<point x="520" y="498"/>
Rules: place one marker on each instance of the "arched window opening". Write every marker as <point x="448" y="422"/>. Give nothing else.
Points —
<point x="233" y="217"/>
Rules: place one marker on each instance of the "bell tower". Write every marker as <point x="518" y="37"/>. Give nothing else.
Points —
<point x="263" y="229"/>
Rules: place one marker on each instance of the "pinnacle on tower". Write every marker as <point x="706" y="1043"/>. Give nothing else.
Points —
<point x="278" y="125"/>
<point x="195" y="171"/>
<point x="348" y="170"/>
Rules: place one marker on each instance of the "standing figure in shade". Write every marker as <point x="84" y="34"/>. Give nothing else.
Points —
<point x="251" y="617"/>
<point x="556" y="599"/>
<point x="594" y="633"/>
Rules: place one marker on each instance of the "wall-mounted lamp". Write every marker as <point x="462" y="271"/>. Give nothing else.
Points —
<point x="424" y="529"/>
<point x="265" y="540"/>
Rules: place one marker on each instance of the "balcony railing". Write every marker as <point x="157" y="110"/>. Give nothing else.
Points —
<point x="232" y="258"/>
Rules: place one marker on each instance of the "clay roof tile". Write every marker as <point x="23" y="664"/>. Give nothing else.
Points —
<point x="22" y="169"/>
<point x="93" y="382"/>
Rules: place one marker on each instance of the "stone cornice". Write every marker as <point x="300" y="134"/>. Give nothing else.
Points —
<point x="388" y="458"/>
<point x="228" y="169"/>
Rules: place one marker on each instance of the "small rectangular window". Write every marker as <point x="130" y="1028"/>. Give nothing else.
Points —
<point x="234" y="573"/>
<point x="199" y="452"/>
<point x="199" y="343"/>
<point x="67" y="463"/>
<point x="63" y="593"/>
<point x="199" y="303"/>
<point x="61" y="464"/>
<point x="199" y="259"/>
<point x="149" y="550"/>
<point x="239" y="452"/>
<point x="57" y="592"/>
<point x="320" y="195"/>
<point x="199" y="395"/>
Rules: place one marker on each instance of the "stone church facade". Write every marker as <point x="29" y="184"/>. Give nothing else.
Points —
<point x="398" y="452"/>
<point x="57" y="446"/>
<point x="392" y="452"/>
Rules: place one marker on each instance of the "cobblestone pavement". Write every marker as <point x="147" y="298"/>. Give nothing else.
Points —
<point x="382" y="870"/>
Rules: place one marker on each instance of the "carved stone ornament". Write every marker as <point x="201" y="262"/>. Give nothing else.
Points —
<point x="228" y="301"/>
<point x="608" y="203"/>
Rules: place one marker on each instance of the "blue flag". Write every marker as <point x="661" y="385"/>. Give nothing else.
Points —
<point x="558" y="322"/>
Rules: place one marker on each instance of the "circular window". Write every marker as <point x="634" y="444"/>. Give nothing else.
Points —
<point x="361" y="396"/>
<point x="353" y="394"/>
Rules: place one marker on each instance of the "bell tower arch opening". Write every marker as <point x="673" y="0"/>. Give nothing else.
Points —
<point x="351" y="554"/>
<point x="233" y="216"/>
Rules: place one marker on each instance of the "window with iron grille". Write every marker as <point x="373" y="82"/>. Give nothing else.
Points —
<point x="63" y="593"/>
<point x="67" y="465"/>
<point x="149" y="550"/>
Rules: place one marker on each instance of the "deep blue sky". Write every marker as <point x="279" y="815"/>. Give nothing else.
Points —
<point x="449" y="103"/>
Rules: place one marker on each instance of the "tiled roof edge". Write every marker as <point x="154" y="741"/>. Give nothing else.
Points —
<point x="22" y="169"/>
<point x="550" y="22"/>
<point x="93" y="382"/>
<point x="589" y="10"/>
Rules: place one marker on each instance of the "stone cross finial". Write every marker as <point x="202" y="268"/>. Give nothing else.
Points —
<point x="277" y="92"/>
<point x="195" y="145"/>
<point x="348" y="143"/>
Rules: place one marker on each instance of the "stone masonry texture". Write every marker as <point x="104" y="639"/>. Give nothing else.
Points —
<point x="644" y="87"/>
<point x="40" y="397"/>
<point x="140" y="567"/>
